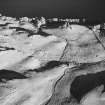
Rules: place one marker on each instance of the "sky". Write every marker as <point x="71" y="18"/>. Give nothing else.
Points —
<point x="54" y="8"/>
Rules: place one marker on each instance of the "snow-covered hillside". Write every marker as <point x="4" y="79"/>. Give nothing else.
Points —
<point x="38" y="64"/>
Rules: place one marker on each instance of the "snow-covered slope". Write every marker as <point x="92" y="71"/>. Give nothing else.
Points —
<point x="37" y="69"/>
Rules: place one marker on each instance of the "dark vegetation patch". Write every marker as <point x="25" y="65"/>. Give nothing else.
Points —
<point x="51" y="25"/>
<point x="6" y="48"/>
<point x="85" y="83"/>
<point x="42" y="33"/>
<point x="23" y="29"/>
<point x="10" y="75"/>
<point x="4" y="25"/>
<point x="49" y="66"/>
